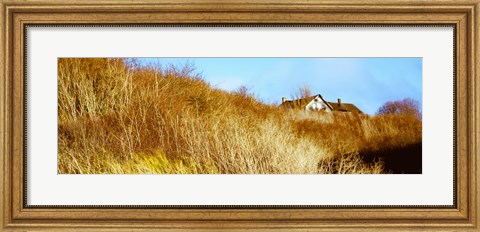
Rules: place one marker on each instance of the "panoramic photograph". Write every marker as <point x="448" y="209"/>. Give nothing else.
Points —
<point x="239" y="115"/>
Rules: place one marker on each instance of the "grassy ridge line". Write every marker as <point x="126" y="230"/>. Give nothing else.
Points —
<point x="117" y="117"/>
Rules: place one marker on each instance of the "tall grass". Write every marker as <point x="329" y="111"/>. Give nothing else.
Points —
<point x="118" y="117"/>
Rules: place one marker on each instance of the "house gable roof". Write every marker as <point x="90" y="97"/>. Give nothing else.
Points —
<point x="334" y="106"/>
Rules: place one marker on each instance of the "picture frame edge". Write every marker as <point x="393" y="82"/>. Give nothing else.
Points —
<point x="14" y="215"/>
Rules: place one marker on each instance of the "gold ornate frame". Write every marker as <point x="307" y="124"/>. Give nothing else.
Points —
<point x="15" y="14"/>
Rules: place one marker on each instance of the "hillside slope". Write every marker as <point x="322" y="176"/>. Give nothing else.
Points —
<point x="118" y="117"/>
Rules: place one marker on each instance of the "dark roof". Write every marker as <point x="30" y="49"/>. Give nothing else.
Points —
<point x="297" y="104"/>
<point x="303" y="102"/>
<point x="345" y="107"/>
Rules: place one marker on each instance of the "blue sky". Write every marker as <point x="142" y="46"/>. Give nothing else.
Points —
<point x="365" y="82"/>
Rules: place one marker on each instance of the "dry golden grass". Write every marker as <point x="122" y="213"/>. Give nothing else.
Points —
<point x="117" y="117"/>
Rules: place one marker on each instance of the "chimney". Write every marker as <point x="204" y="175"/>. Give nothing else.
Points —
<point x="284" y="99"/>
<point x="339" y="102"/>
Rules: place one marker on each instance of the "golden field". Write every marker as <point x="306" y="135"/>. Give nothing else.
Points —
<point x="115" y="116"/>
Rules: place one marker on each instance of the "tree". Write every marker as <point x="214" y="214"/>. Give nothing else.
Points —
<point x="302" y="92"/>
<point x="407" y="106"/>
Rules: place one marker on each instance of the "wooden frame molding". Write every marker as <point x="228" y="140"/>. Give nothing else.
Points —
<point x="15" y="15"/>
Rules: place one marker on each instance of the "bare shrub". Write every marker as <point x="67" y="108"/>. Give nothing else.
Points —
<point x="407" y="106"/>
